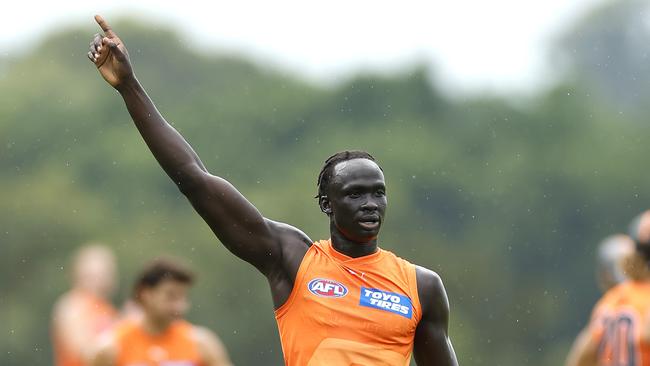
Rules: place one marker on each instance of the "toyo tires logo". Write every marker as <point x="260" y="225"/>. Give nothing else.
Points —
<point x="326" y="288"/>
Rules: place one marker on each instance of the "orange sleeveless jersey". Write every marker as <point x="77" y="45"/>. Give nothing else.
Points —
<point x="350" y="311"/>
<point x="176" y="346"/>
<point x="98" y="314"/>
<point x="617" y="324"/>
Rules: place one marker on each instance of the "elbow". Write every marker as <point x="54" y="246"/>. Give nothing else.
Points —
<point x="189" y="179"/>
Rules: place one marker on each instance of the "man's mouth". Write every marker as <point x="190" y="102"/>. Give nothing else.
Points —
<point x="369" y="223"/>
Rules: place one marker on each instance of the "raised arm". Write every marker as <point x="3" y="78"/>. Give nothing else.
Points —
<point x="237" y="223"/>
<point x="432" y="344"/>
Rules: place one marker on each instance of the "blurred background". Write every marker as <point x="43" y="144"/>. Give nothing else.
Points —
<point x="512" y="135"/>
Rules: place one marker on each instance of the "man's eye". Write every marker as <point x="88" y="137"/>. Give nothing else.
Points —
<point x="381" y="193"/>
<point x="354" y="195"/>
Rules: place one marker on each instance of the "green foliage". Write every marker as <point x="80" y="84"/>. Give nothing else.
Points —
<point x="506" y="203"/>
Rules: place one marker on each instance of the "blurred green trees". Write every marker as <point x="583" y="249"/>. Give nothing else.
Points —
<point x="505" y="200"/>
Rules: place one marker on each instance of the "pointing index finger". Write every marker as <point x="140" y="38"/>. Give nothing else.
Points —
<point x="105" y="27"/>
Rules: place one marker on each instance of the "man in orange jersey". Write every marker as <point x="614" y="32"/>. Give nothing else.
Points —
<point x="160" y="337"/>
<point x="619" y="331"/>
<point x="611" y="255"/>
<point x="82" y="313"/>
<point x="342" y="301"/>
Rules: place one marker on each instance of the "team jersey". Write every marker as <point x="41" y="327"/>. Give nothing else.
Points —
<point x="174" y="347"/>
<point x="97" y="314"/>
<point x="619" y="323"/>
<point x="350" y="311"/>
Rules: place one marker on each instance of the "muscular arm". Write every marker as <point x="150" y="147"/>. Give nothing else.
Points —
<point x="432" y="344"/>
<point x="235" y="221"/>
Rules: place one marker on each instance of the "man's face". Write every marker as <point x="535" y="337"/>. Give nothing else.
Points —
<point x="357" y="199"/>
<point x="167" y="301"/>
<point x="95" y="271"/>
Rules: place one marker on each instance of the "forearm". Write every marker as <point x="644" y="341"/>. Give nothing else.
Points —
<point x="168" y="146"/>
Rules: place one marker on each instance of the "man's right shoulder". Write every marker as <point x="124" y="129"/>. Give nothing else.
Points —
<point x="288" y="235"/>
<point x="68" y="305"/>
<point x="293" y="243"/>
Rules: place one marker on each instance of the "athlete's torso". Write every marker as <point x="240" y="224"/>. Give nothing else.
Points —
<point x="175" y="347"/>
<point x="618" y="323"/>
<point x="350" y="311"/>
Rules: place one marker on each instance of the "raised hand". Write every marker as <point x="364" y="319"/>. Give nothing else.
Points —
<point x="110" y="56"/>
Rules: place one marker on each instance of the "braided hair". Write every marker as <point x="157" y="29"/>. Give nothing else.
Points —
<point x="327" y="172"/>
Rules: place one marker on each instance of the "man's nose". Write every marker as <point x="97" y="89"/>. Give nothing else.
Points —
<point x="369" y="204"/>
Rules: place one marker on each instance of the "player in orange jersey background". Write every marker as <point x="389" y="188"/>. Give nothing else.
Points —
<point x="342" y="301"/>
<point x="81" y="314"/>
<point x="610" y="257"/>
<point x="160" y="336"/>
<point x="619" y="331"/>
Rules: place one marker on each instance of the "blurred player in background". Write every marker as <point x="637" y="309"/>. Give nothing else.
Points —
<point x="160" y="336"/>
<point x="609" y="260"/>
<point x="619" y="331"/>
<point x="609" y="272"/>
<point x="84" y="312"/>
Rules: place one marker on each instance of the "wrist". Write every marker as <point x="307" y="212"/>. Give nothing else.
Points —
<point x="129" y="84"/>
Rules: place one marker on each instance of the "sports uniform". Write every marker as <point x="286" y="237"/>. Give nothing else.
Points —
<point x="175" y="346"/>
<point x="618" y="325"/>
<point x="350" y="311"/>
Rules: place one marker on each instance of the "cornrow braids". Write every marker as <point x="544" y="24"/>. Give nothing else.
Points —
<point x="326" y="173"/>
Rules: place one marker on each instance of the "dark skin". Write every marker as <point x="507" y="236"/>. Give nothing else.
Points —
<point x="355" y="204"/>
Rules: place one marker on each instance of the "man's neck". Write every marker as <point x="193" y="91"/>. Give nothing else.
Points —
<point x="154" y="326"/>
<point x="90" y="291"/>
<point x="351" y="248"/>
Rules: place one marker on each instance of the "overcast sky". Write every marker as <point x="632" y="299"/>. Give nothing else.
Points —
<point x="496" y="45"/>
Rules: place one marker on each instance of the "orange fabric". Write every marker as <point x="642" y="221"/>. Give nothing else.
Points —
<point x="176" y="346"/>
<point x="98" y="314"/>
<point x="618" y="323"/>
<point x="350" y="311"/>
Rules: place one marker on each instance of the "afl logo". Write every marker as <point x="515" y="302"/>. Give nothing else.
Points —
<point x="326" y="288"/>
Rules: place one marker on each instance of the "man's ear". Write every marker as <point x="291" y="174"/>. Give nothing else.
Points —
<point x="325" y="205"/>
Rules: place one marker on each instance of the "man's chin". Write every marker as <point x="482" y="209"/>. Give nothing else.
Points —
<point x="366" y="237"/>
<point x="361" y="235"/>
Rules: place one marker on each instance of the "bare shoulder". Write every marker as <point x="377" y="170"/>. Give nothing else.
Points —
<point x="59" y="308"/>
<point x="64" y="302"/>
<point x="67" y="310"/>
<point x="203" y="336"/>
<point x="210" y="346"/>
<point x="432" y="293"/>
<point x="429" y="282"/>
<point x="293" y="242"/>
<point x="288" y="234"/>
